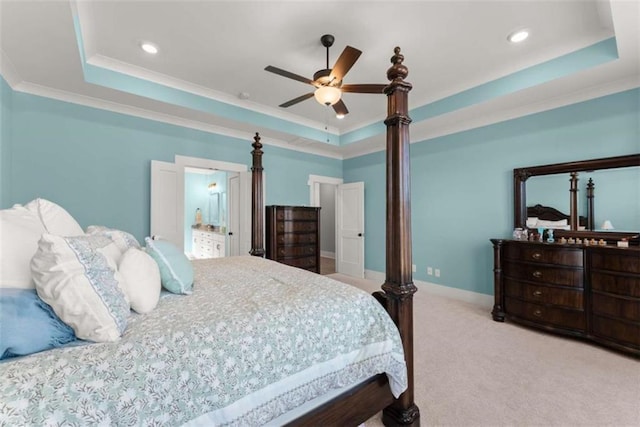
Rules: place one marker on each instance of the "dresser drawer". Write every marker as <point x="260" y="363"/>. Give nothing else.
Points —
<point x="611" y="305"/>
<point x="292" y="227"/>
<point x="296" y="238"/>
<point x="296" y="251"/>
<point x="616" y="284"/>
<point x="297" y="214"/>
<point x="553" y="316"/>
<point x="306" y="262"/>
<point x="625" y="260"/>
<point x="561" y="297"/>
<point x="544" y="254"/>
<point x="544" y="274"/>
<point x="620" y="331"/>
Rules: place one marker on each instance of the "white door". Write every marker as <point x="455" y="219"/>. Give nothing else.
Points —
<point x="350" y="229"/>
<point x="165" y="218"/>
<point x="233" y="225"/>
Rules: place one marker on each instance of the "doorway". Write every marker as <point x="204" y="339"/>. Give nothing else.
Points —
<point x="341" y="224"/>
<point x="172" y="215"/>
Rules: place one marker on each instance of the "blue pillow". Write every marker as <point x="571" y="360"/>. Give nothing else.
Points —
<point x="28" y="325"/>
<point x="176" y="271"/>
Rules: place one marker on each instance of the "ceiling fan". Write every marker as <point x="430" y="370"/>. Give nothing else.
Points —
<point x="328" y="81"/>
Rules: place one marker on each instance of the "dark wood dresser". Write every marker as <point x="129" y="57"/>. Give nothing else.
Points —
<point x="293" y="236"/>
<point x="591" y="292"/>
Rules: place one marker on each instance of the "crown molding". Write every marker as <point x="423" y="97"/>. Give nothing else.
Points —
<point x="429" y="129"/>
<point x="60" y="95"/>
<point x="348" y="151"/>
<point x="117" y="66"/>
<point x="8" y="70"/>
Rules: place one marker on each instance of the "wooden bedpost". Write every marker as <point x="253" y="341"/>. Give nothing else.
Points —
<point x="398" y="286"/>
<point x="573" y="201"/>
<point x="257" y="201"/>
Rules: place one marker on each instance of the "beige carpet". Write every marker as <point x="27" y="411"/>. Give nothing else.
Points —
<point x="327" y="265"/>
<point x="472" y="371"/>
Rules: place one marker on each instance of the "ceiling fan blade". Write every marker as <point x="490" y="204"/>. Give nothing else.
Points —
<point x="364" y="88"/>
<point x="347" y="58"/>
<point x="287" y="74"/>
<point x="340" y="108"/>
<point x="296" y="100"/>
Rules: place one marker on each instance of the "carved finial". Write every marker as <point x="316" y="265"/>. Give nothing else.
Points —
<point x="398" y="71"/>
<point x="256" y="144"/>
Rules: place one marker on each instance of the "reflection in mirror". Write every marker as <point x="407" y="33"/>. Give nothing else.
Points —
<point x="214" y="209"/>
<point x="551" y="190"/>
<point x="613" y="183"/>
<point x="616" y="195"/>
<point x="223" y="209"/>
<point x="617" y="198"/>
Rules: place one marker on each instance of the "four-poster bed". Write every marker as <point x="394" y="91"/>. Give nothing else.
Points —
<point x="254" y="342"/>
<point x="363" y="401"/>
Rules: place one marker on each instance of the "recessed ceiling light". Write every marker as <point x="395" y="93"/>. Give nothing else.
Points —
<point x="340" y="116"/>
<point x="518" y="36"/>
<point x="149" y="47"/>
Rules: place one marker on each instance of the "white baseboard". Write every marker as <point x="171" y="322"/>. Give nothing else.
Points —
<point x="327" y="254"/>
<point x="440" y="290"/>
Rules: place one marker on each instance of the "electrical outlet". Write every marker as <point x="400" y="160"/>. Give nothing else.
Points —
<point x="437" y="272"/>
<point x="430" y="271"/>
<point x="414" y="268"/>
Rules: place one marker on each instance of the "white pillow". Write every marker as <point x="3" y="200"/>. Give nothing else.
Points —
<point x="531" y="221"/>
<point x="56" y="219"/>
<point x="546" y="223"/>
<point x="122" y="239"/>
<point x="20" y="230"/>
<point x="141" y="280"/>
<point x="78" y="278"/>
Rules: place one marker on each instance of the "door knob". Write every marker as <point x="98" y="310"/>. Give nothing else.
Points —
<point x="359" y="234"/>
<point x="231" y="233"/>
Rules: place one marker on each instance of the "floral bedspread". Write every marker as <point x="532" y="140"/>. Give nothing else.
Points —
<point x="254" y="340"/>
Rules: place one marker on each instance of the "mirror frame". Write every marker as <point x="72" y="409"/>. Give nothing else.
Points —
<point x="520" y="176"/>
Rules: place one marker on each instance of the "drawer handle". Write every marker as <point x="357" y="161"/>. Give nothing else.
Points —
<point x="536" y="255"/>
<point x="537" y="313"/>
<point x="537" y="274"/>
<point x="537" y="293"/>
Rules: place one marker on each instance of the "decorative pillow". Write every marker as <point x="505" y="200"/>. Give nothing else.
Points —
<point x="176" y="271"/>
<point x="141" y="280"/>
<point x="531" y="221"/>
<point x="28" y="325"/>
<point x="122" y="239"/>
<point x="20" y="230"/>
<point x="546" y="223"/>
<point x="56" y="219"/>
<point x="78" y="278"/>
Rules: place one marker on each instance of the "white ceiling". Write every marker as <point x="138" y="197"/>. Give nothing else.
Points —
<point x="218" y="49"/>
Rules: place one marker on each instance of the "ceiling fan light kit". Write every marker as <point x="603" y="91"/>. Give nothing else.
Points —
<point x="327" y="95"/>
<point x="328" y="81"/>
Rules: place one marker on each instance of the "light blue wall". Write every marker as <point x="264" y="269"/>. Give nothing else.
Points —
<point x="96" y="163"/>
<point x="6" y="96"/>
<point x="462" y="184"/>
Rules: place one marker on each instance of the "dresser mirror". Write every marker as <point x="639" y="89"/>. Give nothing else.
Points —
<point x="584" y="193"/>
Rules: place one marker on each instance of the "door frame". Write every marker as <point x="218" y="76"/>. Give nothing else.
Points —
<point x="314" y="187"/>
<point x="183" y="162"/>
<point x="314" y="200"/>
